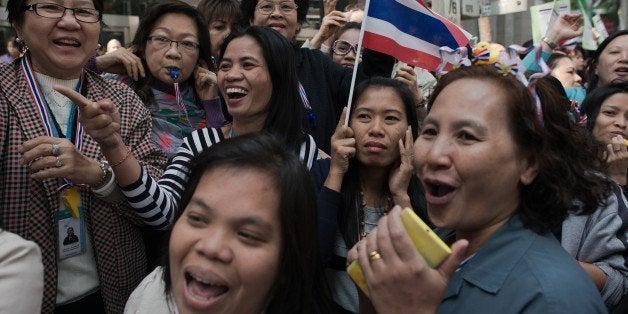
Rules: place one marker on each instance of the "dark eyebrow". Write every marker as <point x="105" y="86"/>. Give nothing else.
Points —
<point x="247" y="220"/>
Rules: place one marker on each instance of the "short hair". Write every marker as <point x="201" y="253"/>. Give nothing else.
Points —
<point x="351" y="183"/>
<point x="285" y="108"/>
<point x="300" y="286"/>
<point x="593" y="102"/>
<point x="592" y="78"/>
<point x="553" y="144"/>
<point x="248" y="10"/>
<point x="150" y="17"/>
<point x="215" y="9"/>
<point x="16" y="9"/>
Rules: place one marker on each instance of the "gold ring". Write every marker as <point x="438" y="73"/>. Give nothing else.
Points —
<point x="374" y="255"/>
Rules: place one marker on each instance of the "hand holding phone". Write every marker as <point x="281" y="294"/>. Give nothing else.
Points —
<point x="427" y="243"/>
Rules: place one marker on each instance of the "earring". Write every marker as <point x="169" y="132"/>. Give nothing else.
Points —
<point x="21" y="45"/>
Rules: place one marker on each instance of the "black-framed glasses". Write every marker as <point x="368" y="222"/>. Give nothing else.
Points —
<point x="267" y="8"/>
<point x="162" y="42"/>
<point x="56" y="11"/>
<point x="342" y="48"/>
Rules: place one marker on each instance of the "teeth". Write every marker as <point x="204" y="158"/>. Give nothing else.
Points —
<point x="201" y="280"/>
<point x="234" y="90"/>
<point x="68" y="41"/>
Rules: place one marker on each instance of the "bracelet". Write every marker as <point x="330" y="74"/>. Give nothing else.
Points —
<point x="128" y="153"/>
<point x="549" y="42"/>
<point x="104" y="167"/>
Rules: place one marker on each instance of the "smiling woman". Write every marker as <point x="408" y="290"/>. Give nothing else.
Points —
<point x="501" y="182"/>
<point x="59" y="180"/>
<point x="251" y="248"/>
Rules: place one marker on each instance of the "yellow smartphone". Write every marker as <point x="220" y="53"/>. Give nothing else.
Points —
<point x="427" y="243"/>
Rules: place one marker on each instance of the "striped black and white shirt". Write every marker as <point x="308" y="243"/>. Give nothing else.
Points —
<point x="157" y="201"/>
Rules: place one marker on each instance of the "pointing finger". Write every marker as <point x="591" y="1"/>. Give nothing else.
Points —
<point x="80" y="100"/>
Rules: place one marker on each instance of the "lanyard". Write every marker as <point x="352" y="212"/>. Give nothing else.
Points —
<point x="75" y="134"/>
<point x="74" y="130"/>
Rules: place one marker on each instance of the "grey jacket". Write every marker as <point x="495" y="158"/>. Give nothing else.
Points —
<point x="602" y="239"/>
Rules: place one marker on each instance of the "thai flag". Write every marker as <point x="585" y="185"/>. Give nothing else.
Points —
<point x="409" y="31"/>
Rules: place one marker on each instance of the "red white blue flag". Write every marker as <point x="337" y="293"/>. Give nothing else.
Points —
<point x="409" y="31"/>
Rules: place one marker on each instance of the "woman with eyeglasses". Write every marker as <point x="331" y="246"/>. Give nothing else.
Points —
<point x="324" y="85"/>
<point x="52" y="174"/>
<point x="344" y="48"/>
<point x="173" y="44"/>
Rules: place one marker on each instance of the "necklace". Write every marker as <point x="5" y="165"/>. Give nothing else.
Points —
<point x="362" y="215"/>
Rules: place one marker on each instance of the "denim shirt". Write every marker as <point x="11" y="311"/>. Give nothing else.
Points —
<point x="520" y="271"/>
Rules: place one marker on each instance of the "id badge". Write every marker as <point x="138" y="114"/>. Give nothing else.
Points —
<point x="70" y="224"/>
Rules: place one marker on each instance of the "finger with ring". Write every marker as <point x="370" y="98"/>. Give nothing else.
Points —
<point x="59" y="163"/>
<point x="374" y="255"/>
<point x="55" y="149"/>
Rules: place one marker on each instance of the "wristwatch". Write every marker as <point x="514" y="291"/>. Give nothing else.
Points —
<point x="106" y="175"/>
<point x="549" y="42"/>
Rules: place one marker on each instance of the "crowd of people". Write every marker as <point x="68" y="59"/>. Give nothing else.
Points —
<point x="213" y="165"/>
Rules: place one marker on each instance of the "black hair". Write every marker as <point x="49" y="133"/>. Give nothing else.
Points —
<point x="285" y="108"/>
<point x="591" y="76"/>
<point x="351" y="188"/>
<point x="300" y="286"/>
<point x="151" y="16"/>
<point x="248" y="10"/>
<point x="567" y="170"/>
<point x="593" y="102"/>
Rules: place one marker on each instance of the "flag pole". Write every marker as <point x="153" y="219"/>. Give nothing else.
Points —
<point x="356" y="62"/>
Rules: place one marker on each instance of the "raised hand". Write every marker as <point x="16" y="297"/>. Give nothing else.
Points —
<point x="617" y="159"/>
<point x="205" y="82"/>
<point x="342" y="149"/>
<point x="331" y="22"/>
<point x="398" y="278"/>
<point x="328" y="6"/>
<point x="100" y="119"/>
<point x="406" y="75"/>
<point x="121" y="61"/>
<point x="401" y="174"/>
<point x="565" y="27"/>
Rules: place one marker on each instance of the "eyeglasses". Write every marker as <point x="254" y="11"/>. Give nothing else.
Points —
<point x="267" y="8"/>
<point x="55" y="11"/>
<point x="342" y="48"/>
<point x="161" y="42"/>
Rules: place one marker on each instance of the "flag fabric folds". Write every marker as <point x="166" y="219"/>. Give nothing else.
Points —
<point x="409" y="31"/>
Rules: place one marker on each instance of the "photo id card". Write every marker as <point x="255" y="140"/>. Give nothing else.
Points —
<point x="70" y="227"/>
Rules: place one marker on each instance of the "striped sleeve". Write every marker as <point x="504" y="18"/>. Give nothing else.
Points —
<point x="308" y="152"/>
<point x="156" y="202"/>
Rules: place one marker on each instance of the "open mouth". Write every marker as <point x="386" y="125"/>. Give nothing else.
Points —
<point x="67" y="42"/>
<point x="276" y="25"/>
<point x="236" y="93"/>
<point x="203" y="289"/>
<point x="622" y="71"/>
<point x="438" y="190"/>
